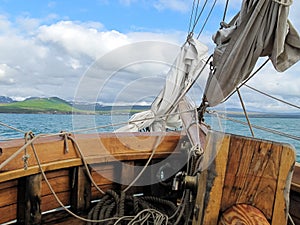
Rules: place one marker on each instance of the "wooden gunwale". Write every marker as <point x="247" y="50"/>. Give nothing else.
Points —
<point x="98" y="148"/>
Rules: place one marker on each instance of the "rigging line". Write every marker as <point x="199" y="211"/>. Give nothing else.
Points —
<point x="206" y="20"/>
<point x="245" y="112"/>
<point x="245" y="81"/>
<point x="157" y="141"/>
<point x="196" y="13"/>
<point x="57" y="198"/>
<point x="188" y="87"/>
<point x="225" y="10"/>
<point x="85" y="163"/>
<point x="133" y="121"/>
<point x="11" y="127"/>
<point x="190" y="23"/>
<point x="297" y="138"/>
<point x="196" y="21"/>
<point x="270" y="96"/>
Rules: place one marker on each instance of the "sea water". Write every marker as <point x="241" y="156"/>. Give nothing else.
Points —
<point x="54" y="123"/>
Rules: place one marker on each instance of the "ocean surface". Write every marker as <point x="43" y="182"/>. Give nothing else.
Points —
<point x="54" y="123"/>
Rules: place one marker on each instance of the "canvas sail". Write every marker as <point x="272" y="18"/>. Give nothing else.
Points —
<point x="261" y="28"/>
<point x="180" y="78"/>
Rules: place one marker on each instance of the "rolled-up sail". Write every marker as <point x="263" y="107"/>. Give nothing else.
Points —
<point x="180" y="78"/>
<point x="261" y="28"/>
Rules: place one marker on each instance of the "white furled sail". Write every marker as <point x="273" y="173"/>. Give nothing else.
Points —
<point x="261" y="28"/>
<point x="186" y="69"/>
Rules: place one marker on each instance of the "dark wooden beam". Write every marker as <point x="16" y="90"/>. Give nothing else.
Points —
<point x="29" y="200"/>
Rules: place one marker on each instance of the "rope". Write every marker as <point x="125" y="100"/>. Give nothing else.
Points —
<point x="196" y="21"/>
<point x="29" y="135"/>
<point x="245" y="112"/>
<point x="225" y="10"/>
<point x="206" y="20"/>
<point x="55" y="195"/>
<point x="270" y="96"/>
<point x="146" y="209"/>
<point x="11" y="127"/>
<point x="190" y="22"/>
<point x="133" y="121"/>
<point x="291" y="219"/>
<point x="245" y="81"/>
<point x="256" y="126"/>
<point x="77" y="147"/>
<point x="145" y="166"/>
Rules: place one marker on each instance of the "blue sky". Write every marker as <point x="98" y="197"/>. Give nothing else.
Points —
<point x="48" y="47"/>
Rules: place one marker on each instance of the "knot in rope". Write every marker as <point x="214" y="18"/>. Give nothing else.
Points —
<point x="27" y="136"/>
<point x="65" y="135"/>
<point x="197" y="150"/>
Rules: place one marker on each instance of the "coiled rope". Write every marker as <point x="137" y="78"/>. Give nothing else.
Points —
<point x="132" y="209"/>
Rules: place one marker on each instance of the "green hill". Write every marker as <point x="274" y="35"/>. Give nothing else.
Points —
<point x="38" y="105"/>
<point x="55" y="105"/>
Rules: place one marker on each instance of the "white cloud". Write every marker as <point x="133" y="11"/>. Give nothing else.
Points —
<point x="50" y="60"/>
<point x="79" y="39"/>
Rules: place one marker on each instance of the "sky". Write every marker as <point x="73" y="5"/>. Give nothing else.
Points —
<point x="118" y="51"/>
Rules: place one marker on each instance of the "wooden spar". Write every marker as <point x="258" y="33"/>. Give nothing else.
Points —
<point x="29" y="200"/>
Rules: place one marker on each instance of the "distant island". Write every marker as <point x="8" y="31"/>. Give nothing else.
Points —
<point x="55" y="105"/>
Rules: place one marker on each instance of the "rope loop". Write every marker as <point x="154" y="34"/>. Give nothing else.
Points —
<point x="65" y="136"/>
<point x="197" y="150"/>
<point x="27" y="136"/>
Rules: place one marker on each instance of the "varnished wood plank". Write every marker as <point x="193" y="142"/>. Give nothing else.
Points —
<point x="243" y="214"/>
<point x="280" y="212"/>
<point x="211" y="179"/>
<point x="239" y="171"/>
<point x="103" y="148"/>
<point x="15" y="174"/>
<point x="232" y="188"/>
<point x="8" y="213"/>
<point x="8" y="201"/>
<point x="103" y="177"/>
<point x="49" y="202"/>
<point x="8" y="196"/>
<point x="264" y="196"/>
<point x="253" y="170"/>
<point x="60" y="183"/>
<point x="217" y="168"/>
